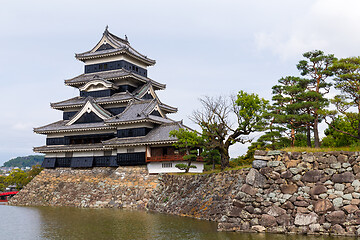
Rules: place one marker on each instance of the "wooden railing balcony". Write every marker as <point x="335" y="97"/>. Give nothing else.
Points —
<point x="170" y="158"/>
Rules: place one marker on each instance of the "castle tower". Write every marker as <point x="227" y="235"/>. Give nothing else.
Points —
<point x="117" y="119"/>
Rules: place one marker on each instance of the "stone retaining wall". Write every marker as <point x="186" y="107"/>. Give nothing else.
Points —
<point x="204" y="197"/>
<point x="128" y="187"/>
<point x="313" y="193"/>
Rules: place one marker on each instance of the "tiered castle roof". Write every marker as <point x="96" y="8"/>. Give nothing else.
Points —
<point x="111" y="45"/>
<point x="115" y="93"/>
<point x="112" y="75"/>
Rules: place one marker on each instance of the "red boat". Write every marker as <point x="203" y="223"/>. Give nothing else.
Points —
<point x="5" y="196"/>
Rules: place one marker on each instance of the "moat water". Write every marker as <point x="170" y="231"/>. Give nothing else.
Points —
<point x="74" y="223"/>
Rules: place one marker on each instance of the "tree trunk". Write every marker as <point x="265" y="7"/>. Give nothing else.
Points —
<point x="188" y="168"/>
<point x="308" y="135"/>
<point x="213" y="166"/>
<point x="358" y="130"/>
<point x="292" y="137"/>
<point x="316" y="132"/>
<point x="189" y="161"/>
<point x="224" y="158"/>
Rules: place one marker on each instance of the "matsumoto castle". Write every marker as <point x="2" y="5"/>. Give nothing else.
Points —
<point x="118" y="120"/>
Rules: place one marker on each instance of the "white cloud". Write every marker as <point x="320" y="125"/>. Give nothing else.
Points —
<point x="22" y="126"/>
<point x="327" y="25"/>
<point x="203" y="47"/>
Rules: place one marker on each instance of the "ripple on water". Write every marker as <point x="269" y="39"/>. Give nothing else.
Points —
<point x="76" y="223"/>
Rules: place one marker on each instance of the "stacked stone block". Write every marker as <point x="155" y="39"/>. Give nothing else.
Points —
<point x="314" y="193"/>
<point x="128" y="187"/>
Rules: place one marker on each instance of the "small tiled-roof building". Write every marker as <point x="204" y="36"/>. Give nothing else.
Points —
<point x="118" y="119"/>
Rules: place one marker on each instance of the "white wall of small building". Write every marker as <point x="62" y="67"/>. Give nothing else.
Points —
<point x="169" y="167"/>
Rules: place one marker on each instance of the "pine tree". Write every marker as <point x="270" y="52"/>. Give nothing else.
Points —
<point x="316" y="67"/>
<point x="347" y="81"/>
<point x="288" y="109"/>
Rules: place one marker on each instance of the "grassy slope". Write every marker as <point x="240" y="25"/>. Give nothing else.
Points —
<point x="327" y="149"/>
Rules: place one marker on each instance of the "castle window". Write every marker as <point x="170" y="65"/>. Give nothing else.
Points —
<point x="166" y="165"/>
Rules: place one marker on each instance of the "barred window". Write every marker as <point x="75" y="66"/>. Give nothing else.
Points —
<point x="166" y="165"/>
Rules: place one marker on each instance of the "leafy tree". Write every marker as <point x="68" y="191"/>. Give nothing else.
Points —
<point x="347" y="80"/>
<point x="185" y="167"/>
<point x="211" y="156"/>
<point x="188" y="141"/>
<point x="35" y="170"/>
<point x="301" y="139"/>
<point x="316" y="67"/>
<point x="272" y="139"/>
<point x="215" y="121"/>
<point x="17" y="177"/>
<point x="288" y="109"/>
<point x="336" y="138"/>
<point x="2" y="183"/>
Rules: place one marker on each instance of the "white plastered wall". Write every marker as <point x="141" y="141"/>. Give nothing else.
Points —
<point x="136" y="149"/>
<point x="92" y="154"/>
<point x="148" y="151"/>
<point x="158" y="167"/>
<point x="53" y="155"/>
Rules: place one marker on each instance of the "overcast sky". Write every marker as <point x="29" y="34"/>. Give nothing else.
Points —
<point x="201" y="48"/>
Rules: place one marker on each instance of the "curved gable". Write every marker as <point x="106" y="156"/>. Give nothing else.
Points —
<point x="97" y="84"/>
<point x="90" y="112"/>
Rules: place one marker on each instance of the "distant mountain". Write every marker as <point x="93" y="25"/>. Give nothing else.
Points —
<point x="26" y="161"/>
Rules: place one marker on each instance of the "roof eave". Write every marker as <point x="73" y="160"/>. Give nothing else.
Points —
<point x="99" y="103"/>
<point x="40" y="150"/>
<point x="133" y="121"/>
<point x="140" y="143"/>
<point x="72" y="130"/>
<point x="147" y="61"/>
<point x="156" y="85"/>
<point x="169" y="109"/>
